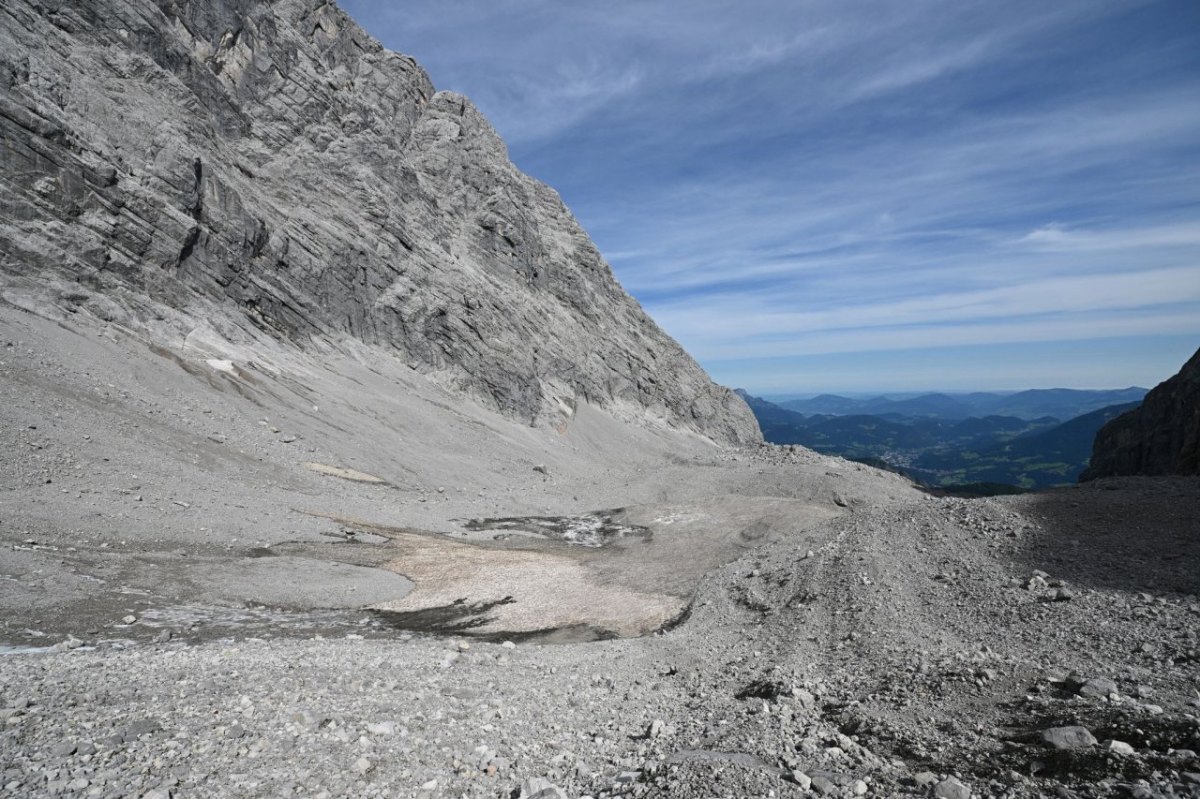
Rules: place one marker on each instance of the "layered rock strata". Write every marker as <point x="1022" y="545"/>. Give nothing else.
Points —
<point x="248" y="169"/>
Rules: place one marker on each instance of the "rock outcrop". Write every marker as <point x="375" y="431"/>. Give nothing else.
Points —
<point x="1160" y="437"/>
<point x="247" y="169"/>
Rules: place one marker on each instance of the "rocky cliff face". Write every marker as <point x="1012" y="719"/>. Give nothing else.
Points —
<point x="232" y="169"/>
<point x="1160" y="437"/>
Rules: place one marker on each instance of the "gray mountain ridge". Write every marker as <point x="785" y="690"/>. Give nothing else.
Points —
<point x="216" y="175"/>
<point x="1162" y="436"/>
<point x="1029" y="404"/>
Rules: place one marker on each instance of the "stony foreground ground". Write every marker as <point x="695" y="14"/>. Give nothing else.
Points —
<point x="1035" y="646"/>
<point x="188" y="603"/>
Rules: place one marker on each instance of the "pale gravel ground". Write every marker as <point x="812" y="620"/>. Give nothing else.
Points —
<point x="905" y="642"/>
<point x="126" y="460"/>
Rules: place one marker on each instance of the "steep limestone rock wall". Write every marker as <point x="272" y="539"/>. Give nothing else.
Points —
<point x="1162" y="436"/>
<point x="269" y="169"/>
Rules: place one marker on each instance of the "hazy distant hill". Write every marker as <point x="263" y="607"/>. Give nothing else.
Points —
<point x="1061" y="403"/>
<point x="1032" y="460"/>
<point x="1064" y="403"/>
<point x="1016" y="448"/>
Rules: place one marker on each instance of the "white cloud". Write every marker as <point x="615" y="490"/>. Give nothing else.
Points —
<point x="1154" y="302"/>
<point x="932" y="337"/>
<point x="774" y="179"/>
<point x="548" y="103"/>
<point x="1057" y="238"/>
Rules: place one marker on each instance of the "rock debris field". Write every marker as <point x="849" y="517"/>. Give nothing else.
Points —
<point x="190" y="618"/>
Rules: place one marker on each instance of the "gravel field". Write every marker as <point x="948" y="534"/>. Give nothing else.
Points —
<point x="840" y="633"/>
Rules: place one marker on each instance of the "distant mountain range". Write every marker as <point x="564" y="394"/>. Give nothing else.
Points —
<point x="1060" y="403"/>
<point x="1034" y="459"/>
<point x="1016" y="439"/>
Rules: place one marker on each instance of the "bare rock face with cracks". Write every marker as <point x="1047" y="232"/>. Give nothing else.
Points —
<point x="223" y="171"/>
<point x="1161" y="436"/>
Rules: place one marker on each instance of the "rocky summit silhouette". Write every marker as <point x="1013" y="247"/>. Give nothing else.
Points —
<point x="228" y="170"/>
<point x="1160" y="437"/>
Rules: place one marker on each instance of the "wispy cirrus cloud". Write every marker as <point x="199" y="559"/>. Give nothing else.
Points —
<point x="1153" y="302"/>
<point x="784" y="182"/>
<point x="1059" y="238"/>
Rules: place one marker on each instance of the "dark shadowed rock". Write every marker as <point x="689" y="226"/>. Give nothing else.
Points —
<point x="1160" y="437"/>
<point x="218" y="173"/>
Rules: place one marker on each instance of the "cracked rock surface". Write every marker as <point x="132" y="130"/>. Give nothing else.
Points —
<point x="215" y="173"/>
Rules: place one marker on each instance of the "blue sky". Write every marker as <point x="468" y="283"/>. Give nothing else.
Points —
<point x="839" y="195"/>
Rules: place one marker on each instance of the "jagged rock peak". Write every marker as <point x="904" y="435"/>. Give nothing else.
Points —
<point x="267" y="169"/>
<point x="1162" y="436"/>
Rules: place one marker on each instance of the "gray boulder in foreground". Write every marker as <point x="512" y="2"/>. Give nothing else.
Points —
<point x="1073" y="737"/>
<point x="213" y="173"/>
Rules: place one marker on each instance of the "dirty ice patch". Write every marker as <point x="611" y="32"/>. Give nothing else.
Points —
<point x="592" y="530"/>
